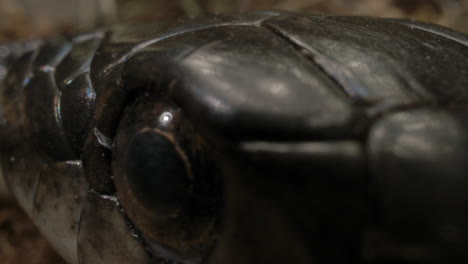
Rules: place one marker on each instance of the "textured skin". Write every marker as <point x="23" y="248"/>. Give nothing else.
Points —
<point x="338" y="139"/>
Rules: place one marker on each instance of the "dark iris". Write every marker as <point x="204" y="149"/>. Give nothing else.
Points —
<point x="166" y="179"/>
<point x="157" y="173"/>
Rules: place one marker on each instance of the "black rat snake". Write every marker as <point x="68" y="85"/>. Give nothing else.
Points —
<point x="264" y="137"/>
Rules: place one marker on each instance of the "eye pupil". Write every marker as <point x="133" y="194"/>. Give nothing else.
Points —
<point x="157" y="173"/>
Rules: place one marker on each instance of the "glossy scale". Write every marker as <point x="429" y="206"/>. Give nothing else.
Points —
<point x="297" y="138"/>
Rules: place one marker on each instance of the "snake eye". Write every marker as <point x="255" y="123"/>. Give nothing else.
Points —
<point x="165" y="179"/>
<point x="158" y="172"/>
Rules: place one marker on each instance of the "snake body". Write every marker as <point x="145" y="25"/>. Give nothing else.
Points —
<point x="278" y="138"/>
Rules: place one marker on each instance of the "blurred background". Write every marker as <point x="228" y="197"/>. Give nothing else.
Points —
<point x="20" y="19"/>
<point x="20" y="243"/>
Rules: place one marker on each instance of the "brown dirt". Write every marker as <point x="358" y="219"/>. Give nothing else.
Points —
<point x="20" y="242"/>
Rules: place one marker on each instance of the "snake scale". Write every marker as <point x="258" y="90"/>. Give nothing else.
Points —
<point x="262" y="137"/>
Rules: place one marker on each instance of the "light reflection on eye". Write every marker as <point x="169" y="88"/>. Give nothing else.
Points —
<point x="165" y="118"/>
